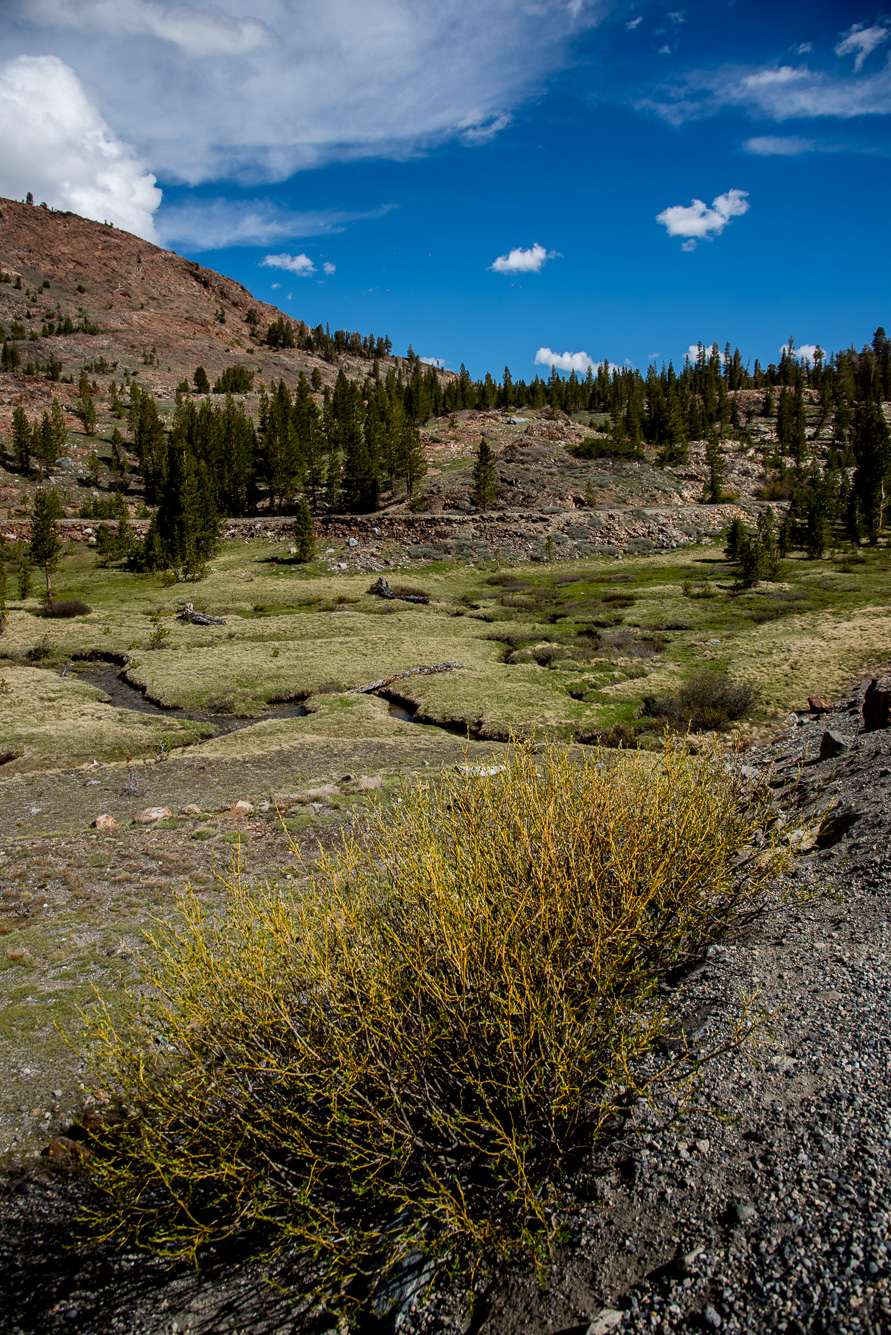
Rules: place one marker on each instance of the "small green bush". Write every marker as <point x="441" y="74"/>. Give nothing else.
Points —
<point x="404" y="1052"/>
<point x="708" y="701"/>
<point x="59" y="608"/>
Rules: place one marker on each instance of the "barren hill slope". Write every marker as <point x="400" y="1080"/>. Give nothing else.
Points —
<point x="150" y="311"/>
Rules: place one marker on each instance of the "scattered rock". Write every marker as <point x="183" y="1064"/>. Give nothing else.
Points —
<point x="104" y="823"/>
<point x="744" y="1212"/>
<point x="242" y="807"/>
<point x="817" y="705"/>
<point x="149" y="815"/>
<point x="352" y="542"/>
<point x="63" y="1147"/>
<point x="606" y="1319"/>
<point x="191" y="810"/>
<point x="832" y="744"/>
<point x="877" y="704"/>
<point x="711" y="1317"/>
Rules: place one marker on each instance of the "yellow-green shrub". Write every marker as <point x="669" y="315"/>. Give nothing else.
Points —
<point x="400" y="1054"/>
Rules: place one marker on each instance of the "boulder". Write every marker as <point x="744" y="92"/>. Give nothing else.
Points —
<point x="149" y="815"/>
<point x="104" y="823"/>
<point x="832" y="744"/>
<point x="242" y="807"/>
<point x="191" y="810"/>
<point x="877" y="704"/>
<point x="817" y="705"/>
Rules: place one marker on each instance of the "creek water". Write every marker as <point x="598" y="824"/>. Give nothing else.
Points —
<point x="107" y="676"/>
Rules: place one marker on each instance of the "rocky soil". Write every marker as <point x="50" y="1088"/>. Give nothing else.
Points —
<point x="765" y="1207"/>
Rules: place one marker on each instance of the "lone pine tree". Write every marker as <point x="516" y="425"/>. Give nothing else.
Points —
<point x="45" y="549"/>
<point x="485" y="480"/>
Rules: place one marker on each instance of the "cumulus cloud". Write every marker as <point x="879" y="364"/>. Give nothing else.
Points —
<point x="570" y="361"/>
<point x="211" y="224"/>
<point x="299" y="264"/>
<point x="634" y="23"/>
<point x="698" y="222"/>
<point x="693" y="350"/>
<point x="519" y="260"/>
<point x="860" y="42"/>
<point x="433" y="361"/>
<point x="803" y="48"/>
<point x="329" y="268"/>
<point x="252" y="92"/>
<point x="63" y="151"/>
<point x="806" y="352"/>
<point x="774" y="145"/>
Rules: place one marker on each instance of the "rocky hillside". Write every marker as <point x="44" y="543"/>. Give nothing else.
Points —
<point x="141" y="310"/>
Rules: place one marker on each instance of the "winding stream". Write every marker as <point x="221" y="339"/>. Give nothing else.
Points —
<point x="123" y="695"/>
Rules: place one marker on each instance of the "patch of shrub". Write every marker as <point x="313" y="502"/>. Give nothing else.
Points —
<point x="59" y="608"/>
<point x="404" y="1053"/>
<point x="707" y="702"/>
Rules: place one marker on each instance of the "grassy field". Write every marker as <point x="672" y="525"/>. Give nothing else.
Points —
<point x="565" y="650"/>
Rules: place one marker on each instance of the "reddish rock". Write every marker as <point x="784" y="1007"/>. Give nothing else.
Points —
<point x="105" y="823"/>
<point x="817" y="705"/>
<point x="152" y="814"/>
<point x="877" y="704"/>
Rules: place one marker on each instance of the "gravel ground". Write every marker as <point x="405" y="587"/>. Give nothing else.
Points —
<point x="765" y="1208"/>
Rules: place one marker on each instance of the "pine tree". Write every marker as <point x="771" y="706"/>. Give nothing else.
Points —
<point x="25" y="569"/>
<point x="304" y="536"/>
<point x="714" y="459"/>
<point x="485" y="480"/>
<point x="21" y="440"/>
<point x="202" y="384"/>
<point x="45" y="549"/>
<point x="86" y="408"/>
<point x="736" y="539"/>
<point x="872" y="449"/>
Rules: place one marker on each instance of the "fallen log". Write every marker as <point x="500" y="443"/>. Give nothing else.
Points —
<point x="383" y="590"/>
<point x="400" y="676"/>
<point x="200" y="618"/>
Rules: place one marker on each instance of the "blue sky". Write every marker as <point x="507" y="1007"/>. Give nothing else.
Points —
<point x="492" y="183"/>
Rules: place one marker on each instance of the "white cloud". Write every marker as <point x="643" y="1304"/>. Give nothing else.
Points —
<point x="803" y="48"/>
<point x="634" y="23"/>
<point x="665" y="50"/>
<point x="254" y="90"/>
<point x="275" y="285"/>
<point x="778" y="93"/>
<point x="806" y="352"/>
<point x="519" y="260"/>
<point x="433" y="361"/>
<point x="479" y="128"/>
<point x="299" y="264"/>
<point x="860" y="42"/>
<point x="677" y="16"/>
<point x="570" y="361"/>
<point x="329" y="268"/>
<point x="63" y="151"/>
<point x="211" y="224"/>
<point x="194" y="32"/>
<point x="769" y="145"/>
<point x="693" y="350"/>
<point x="697" y="222"/>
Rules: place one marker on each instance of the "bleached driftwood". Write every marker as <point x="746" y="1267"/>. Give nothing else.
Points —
<point x="383" y="590"/>
<point x="200" y="618"/>
<point x="400" y="676"/>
